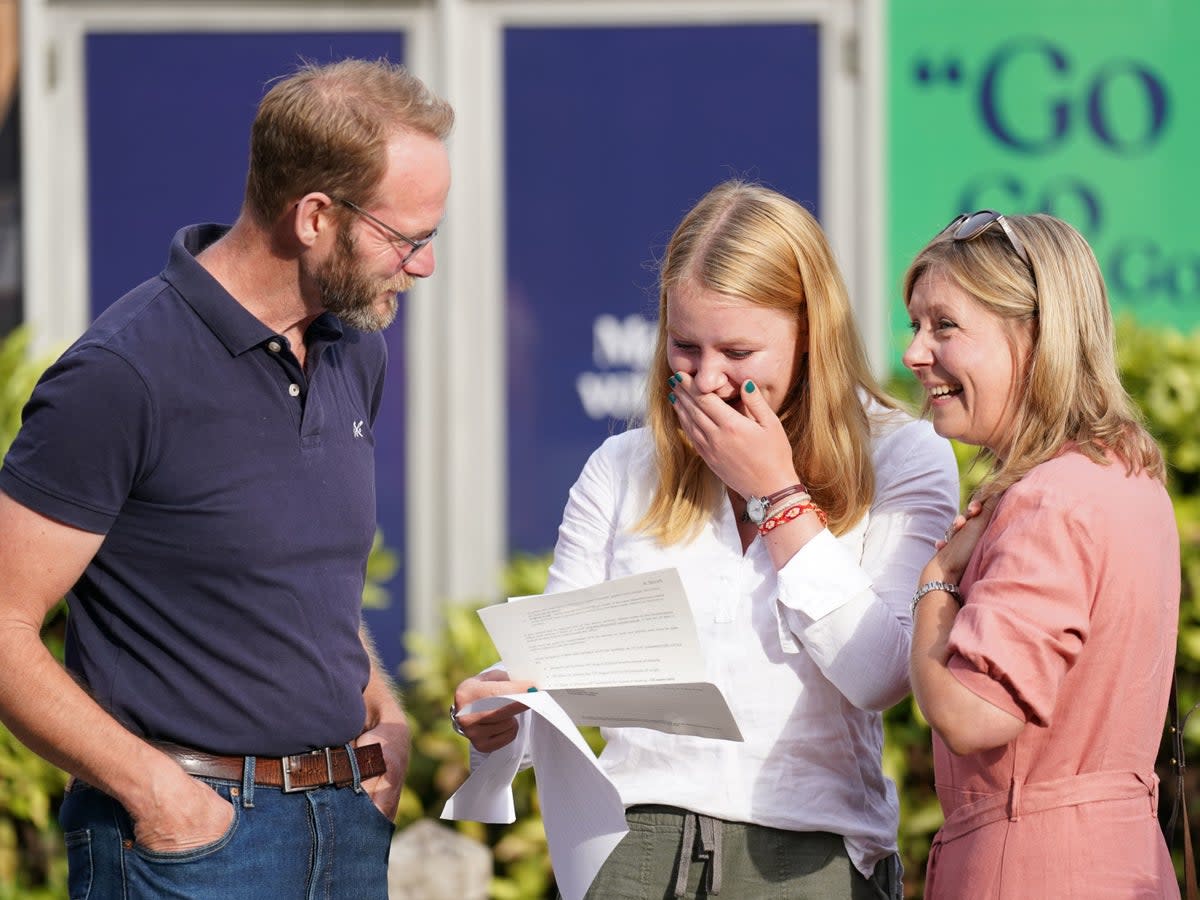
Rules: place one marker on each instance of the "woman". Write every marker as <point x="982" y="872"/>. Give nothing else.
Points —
<point x="1047" y="689"/>
<point x="798" y="505"/>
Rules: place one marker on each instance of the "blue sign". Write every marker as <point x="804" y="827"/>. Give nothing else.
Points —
<point x="611" y="135"/>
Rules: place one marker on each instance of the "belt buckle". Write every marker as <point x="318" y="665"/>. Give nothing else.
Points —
<point x="286" y="767"/>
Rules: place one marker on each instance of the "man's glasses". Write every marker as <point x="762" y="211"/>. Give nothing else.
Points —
<point x="969" y="226"/>
<point x="414" y="245"/>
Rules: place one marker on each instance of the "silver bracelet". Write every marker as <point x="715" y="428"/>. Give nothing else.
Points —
<point x="948" y="587"/>
<point x="454" y="723"/>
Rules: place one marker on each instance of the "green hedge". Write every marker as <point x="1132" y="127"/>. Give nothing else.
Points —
<point x="1161" y="370"/>
<point x="32" y="858"/>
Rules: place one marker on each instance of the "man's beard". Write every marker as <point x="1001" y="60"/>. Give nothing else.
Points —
<point x="353" y="296"/>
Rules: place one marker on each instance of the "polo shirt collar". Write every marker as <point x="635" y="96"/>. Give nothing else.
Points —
<point x="231" y="322"/>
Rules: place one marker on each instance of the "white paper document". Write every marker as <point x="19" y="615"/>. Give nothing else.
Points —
<point x="581" y="810"/>
<point x="618" y="654"/>
<point x="623" y="653"/>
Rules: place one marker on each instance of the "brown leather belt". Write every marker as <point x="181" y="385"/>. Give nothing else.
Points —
<point x="301" y="772"/>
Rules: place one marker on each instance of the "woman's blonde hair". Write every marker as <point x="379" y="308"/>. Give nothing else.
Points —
<point x="1071" y="392"/>
<point x="751" y="243"/>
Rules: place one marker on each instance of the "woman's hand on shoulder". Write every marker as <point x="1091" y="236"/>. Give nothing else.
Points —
<point x="744" y="444"/>
<point x="954" y="551"/>
<point x="490" y="729"/>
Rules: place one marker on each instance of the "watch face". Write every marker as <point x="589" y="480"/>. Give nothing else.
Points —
<point x="756" y="509"/>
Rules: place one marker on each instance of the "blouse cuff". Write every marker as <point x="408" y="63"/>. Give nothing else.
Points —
<point x="822" y="576"/>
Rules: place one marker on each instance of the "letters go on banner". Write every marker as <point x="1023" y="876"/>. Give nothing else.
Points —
<point x="1087" y="112"/>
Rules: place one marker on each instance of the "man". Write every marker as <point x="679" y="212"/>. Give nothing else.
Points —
<point x="196" y="474"/>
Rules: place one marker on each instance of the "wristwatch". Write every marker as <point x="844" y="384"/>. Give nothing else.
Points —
<point x="756" y="507"/>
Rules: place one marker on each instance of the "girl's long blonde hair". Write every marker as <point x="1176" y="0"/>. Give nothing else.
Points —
<point x="1072" y="392"/>
<point x="749" y="242"/>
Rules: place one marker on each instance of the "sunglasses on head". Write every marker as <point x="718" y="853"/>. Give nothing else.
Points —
<point x="968" y="226"/>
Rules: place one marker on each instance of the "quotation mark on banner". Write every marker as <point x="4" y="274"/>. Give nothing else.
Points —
<point x="926" y="72"/>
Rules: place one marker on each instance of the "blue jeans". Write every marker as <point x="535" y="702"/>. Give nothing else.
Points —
<point x="324" y="843"/>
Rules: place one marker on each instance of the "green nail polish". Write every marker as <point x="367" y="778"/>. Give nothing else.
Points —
<point x="671" y="397"/>
<point x="531" y="690"/>
<point x="749" y="387"/>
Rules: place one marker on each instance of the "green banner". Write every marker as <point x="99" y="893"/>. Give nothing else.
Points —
<point x="1086" y="110"/>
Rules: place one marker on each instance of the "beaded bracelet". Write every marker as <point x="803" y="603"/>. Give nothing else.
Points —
<point x="947" y="586"/>
<point x="787" y="503"/>
<point x="795" y="511"/>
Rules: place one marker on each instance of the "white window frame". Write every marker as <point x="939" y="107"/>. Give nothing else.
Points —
<point x="472" y="39"/>
<point x="456" y="480"/>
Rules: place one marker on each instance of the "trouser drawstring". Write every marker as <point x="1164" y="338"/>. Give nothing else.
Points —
<point x="709" y="851"/>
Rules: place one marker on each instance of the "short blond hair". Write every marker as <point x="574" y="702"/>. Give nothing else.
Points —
<point x="326" y="128"/>
<point x="747" y="241"/>
<point x="1072" y="393"/>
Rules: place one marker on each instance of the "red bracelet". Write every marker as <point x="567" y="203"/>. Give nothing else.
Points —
<point x="793" y="512"/>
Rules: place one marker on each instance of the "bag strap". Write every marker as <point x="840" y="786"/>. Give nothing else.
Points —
<point x="1179" y="804"/>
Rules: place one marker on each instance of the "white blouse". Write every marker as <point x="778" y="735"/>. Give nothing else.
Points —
<point x="807" y="657"/>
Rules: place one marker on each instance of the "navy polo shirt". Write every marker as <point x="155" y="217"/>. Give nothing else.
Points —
<point x="236" y="494"/>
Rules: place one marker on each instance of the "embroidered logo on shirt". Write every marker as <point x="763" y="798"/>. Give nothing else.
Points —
<point x="358" y="426"/>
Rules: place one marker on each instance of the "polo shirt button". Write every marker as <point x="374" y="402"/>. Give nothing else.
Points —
<point x="294" y="390"/>
<point x="274" y="346"/>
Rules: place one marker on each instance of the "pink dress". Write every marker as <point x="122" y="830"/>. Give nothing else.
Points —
<point x="1070" y="622"/>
